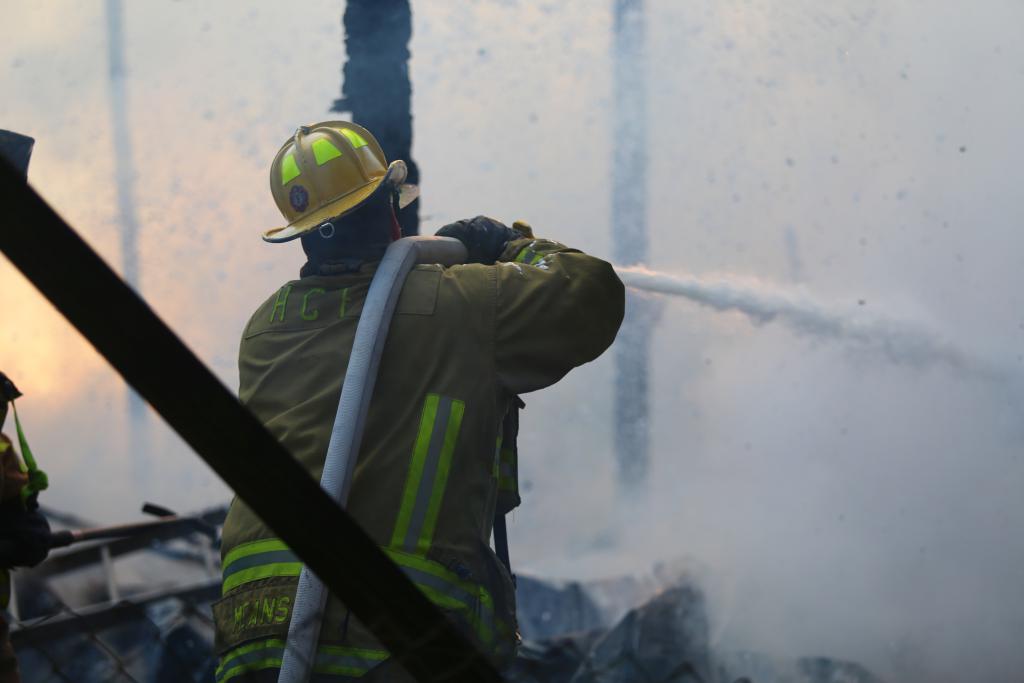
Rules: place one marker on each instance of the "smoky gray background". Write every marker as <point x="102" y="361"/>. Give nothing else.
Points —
<point x="833" y="497"/>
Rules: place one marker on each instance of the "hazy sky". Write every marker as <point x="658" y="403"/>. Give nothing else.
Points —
<point x="832" y="500"/>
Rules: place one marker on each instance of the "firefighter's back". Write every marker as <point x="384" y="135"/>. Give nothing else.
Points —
<point x="463" y="342"/>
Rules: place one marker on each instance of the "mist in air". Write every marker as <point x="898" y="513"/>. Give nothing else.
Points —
<point x="897" y="341"/>
<point x="833" y="263"/>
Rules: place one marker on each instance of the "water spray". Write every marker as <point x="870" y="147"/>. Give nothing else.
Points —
<point x="898" y="341"/>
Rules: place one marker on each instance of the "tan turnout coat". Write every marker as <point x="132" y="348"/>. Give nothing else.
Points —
<point x="464" y="341"/>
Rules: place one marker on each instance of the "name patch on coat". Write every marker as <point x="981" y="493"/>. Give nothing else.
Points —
<point x="258" y="612"/>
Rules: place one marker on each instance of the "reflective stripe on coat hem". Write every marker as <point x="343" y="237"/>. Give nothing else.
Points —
<point x="267" y="654"/>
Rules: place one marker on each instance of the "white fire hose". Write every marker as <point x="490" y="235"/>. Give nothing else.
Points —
<point x="347" y="434"/>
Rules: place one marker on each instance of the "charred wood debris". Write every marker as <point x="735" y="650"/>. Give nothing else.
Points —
<point x="77" y="621"/>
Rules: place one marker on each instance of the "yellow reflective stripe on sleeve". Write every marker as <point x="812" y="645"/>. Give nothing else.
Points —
<point x="268" y="654"/>
<point x="525" y="256"/>
<point x="424" y="488"/>
<point x="289" y="169"/>
<point x="471" y="602"/>
<point x="347" y="661"/>
<point x="529" y="256"/>
<point x="264" y="654"/>
<point x="324" y="150"/>
<point x="258" y="560"/>
<point x="263" y="571"/>
<point x="354" y="138"/>
<point x="253" y="548"/>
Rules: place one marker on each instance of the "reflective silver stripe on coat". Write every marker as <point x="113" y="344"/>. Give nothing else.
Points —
<point x="426" y="487"/>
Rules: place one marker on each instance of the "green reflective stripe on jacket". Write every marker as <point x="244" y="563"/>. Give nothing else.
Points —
<point x="530" y="254"/>
<point x="253" y="548"/>
<point x="470" y="601"/>
<point x="428" y="474"/>
<point x="347" y="661"/>
<point x="264" y="654"/>
<point x="268" y="654"/>
<point x="258" y="560"/>
<point x="526" y="256"/>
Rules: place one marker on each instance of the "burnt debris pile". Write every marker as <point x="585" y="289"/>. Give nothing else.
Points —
<point x="129" y="608"/>
<point x="80" y="618"/>
<point x="571" y="635"/>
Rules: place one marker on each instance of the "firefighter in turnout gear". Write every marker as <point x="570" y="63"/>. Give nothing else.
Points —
<point x="432" y="470"/>
<point x="24" y="532"/>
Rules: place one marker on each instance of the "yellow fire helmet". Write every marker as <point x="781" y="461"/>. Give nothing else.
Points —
<point x="327" y="170"/>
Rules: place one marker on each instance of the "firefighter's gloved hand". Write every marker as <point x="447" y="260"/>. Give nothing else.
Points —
<point x="24" y="535"/>
<point x="485" y="238"/>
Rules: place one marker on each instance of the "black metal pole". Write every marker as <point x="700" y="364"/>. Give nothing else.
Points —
<point x="375" y="83"/>
<point x="17" y="150"/>
<point x="630" y="242"/>
<point x="124" y="175"/>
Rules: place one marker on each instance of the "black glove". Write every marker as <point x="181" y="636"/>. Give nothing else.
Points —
<point x="485" y="238"/>
<point x="24" y="536"/>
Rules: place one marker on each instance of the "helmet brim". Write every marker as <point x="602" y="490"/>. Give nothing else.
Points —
<point x="394" y="178"/>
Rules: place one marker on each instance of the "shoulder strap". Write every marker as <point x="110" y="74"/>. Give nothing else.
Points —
<point x="509" y="439"/>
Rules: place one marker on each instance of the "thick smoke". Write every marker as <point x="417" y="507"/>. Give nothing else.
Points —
<point x="867" y="510"/>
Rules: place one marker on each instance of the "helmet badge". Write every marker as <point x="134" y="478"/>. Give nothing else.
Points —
<point x="299" y="198"/>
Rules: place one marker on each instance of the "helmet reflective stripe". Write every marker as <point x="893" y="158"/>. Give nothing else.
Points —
<point x="324" y="151"/>
<point x="289" y="169"/>
<point x="353" y="137"/>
